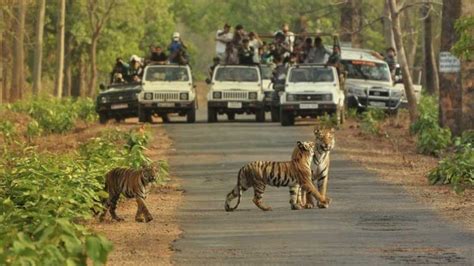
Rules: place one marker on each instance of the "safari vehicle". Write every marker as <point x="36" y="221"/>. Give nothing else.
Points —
<point x="311" y="91"/>
<point x="117" y="101"/>
<point x="167" y="89"/>
<point x="368" y="81"/>
<point x="235" y="89"/>
<point x="266" y="71"/>
<point x="399" y="84"/>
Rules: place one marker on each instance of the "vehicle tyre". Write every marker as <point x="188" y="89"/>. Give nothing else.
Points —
<point x="103" y="118"/>
<point x="142" y="115"/>
<point x="231" y="116"/>
<point x="191" y="115"/>
<point x="165" y="118"/>
<point x="260" y="115"/>
<point x="286" y="118"/>
<point x="275" y="114"/>
<point x="211" y="115"/>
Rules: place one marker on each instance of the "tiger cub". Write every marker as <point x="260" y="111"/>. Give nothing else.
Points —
<point x="294" y="174"/>
<point x="132" y="184"/>
<point x="324" y="143"/>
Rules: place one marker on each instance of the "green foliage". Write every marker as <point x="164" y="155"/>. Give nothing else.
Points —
<point x="328" y="121"/>
<point x="465" y="44"/>
<point x="371" y="118"/>
<point x="7" y="130"/>
<point x="43" y="197"/>
<point x="431" y="138"/>
<point x="352" y="113"/>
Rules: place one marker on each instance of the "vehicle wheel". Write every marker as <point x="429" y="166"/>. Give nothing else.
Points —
<point x="119" y="119"/>
<point x="165" y="118"/>
<point x="260" y="115"/>
<point x="191" y="115"/>
<point x="275" y="113"/>
<point x="103" y="118"/>
<point x="211" y="115"/>
<point x="143" y="115"/>
<point x="231" y="116"/>
<point x="286" y="119"/>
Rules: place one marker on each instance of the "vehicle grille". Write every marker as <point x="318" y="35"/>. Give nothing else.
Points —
<point x="379" y="93"/>
<point x="125" y="97"/>
<point x="308" y="97"/>
<point x="166" y="96"/>
<point x="234" y="95"/>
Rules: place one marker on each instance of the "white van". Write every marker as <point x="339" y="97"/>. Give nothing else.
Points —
<point x="167" y="89"/>
<point x="235" y="89"/>
<point x="311" y="91"/>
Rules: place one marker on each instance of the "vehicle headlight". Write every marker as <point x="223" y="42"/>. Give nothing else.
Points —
<point x="252" y="95"/>
<point x="183" y="96"/>
<point x="398" y="93"/>
<point x="148" y="96"/>
<point x="327" y="97"/>
<point x="217" y="95"/>
<point x="290" y="97"/>
<point x="103" y="99"/>
<point x="358" y="91"/>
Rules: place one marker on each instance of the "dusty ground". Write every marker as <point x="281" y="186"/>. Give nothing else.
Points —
<point x="394" y="158"/>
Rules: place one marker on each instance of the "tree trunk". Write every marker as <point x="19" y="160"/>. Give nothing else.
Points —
<point x="93" y="67"/>
<point x="6" y="55"/>
<point x="67" y="90"/>
<point x="357" y="24"/>
<point x="18" y="81"/>
<point x="58" y="86"/>
<point x="407" y="80"/>
<point x="467" y="79"/>
<point x="430" y="71"/>
<point x="346" y="22"/>
<point x="387" y="26"/>
<point x="38" y="57"/>
<point x="450" y="91"/>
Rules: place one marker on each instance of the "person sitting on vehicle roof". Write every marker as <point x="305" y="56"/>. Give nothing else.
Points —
<point x="289" y="36"/>
<point x="223" y="37"/>
<point x="158" y="56"/>
<point x="177" y="50"/>
<point x="231" y="56"/>
<point x="306" y="47"/>
<point x="120" y="68"/>
<point x="265" y="54"/>
<point x="389" y="58"/>
<point x="135" y="71"/>
<point x="246" y="53"/>
<point x="118" y="79"/>
<point x="282" y="48"/>
<point x="318" y="54"/>
<point x="239" y="36"/>
<point x="216" y="62"/>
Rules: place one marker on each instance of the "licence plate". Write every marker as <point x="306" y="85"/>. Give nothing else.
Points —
<point x="308" y="106"/>
<point x="377" y="104"/>
<point x="119" y="106"/>
<point x="234" y="105"/>
<point x="165" y="104"/>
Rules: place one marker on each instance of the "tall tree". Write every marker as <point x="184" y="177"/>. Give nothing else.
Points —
<point x="99" y="12"/>
<point x="387" y="26"/>
<point x="407" y="79"/>
<point x="430" y="70"/>
<point x="58" y="85"/>
<point x="450" y="90"/>
<point x="6" y="54"/>
<point x="351" y="22"/>
<point x="18" y="75"/>
<point x="38" y="57"/>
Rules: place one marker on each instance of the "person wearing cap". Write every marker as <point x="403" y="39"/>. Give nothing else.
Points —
<point x="135" y="71"/>
<point x="246" y="53"/>
<point x="176" y="43"/>
<point x="239" y="36"/>
<point x="289" y="36"/>
<point x="318" y="54"/>
<point x="223" y="37"/>
<point x="177" y="50"/>
<point x="121" y="68"/>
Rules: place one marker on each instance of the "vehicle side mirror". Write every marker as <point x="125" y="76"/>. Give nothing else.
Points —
<point x="208" y="81"/>
<point x="102" y="87"/>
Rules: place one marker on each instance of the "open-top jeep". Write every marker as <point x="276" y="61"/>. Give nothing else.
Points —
<point x="167" y="89"/>
<point x="117" y="101"/>
<point x="235" y="89"/>
<point x="311" y="91"/>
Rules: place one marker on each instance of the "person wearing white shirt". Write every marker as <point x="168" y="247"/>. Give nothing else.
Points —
<point x="289" y="36"/>
<point x="256" y="43"/>
<point x="223" y="37"/>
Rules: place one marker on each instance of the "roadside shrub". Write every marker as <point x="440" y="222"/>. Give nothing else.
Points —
<point x="352" y="113"/>
<point x="431" y="138"/>
<point x="7" y="130"/>
<point x="370" y="121"/>
<point x="328" y="121"/>
<point x="85" y="109"/>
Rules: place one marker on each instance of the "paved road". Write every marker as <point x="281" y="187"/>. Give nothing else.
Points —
<point x="368" y="223"/>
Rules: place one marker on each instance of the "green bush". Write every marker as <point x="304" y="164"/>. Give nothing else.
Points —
<point x="431" y="138"/>
<point x="328" y="121"/>
<point x="44" y="198"/>
<point x="370" y="121"/>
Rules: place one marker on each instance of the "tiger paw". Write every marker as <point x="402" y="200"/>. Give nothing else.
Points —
<point x="296" y="207"/>
<point x="139" y="219"/>
<point x="148" y="219"/>
<point x="308" y="206"/>
<point x="118" y="219"/>
<point x="324" y="204"/>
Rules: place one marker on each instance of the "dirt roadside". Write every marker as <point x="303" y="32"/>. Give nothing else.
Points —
<point x="395" y="160"/>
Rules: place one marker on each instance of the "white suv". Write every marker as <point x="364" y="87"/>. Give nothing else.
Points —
<point x="235" y="89"/>
<point x="311" y="91"/>
<point x="167" y="89"/>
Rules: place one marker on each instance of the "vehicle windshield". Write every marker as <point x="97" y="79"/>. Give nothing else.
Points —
<point x="367" y="70"/>
<point x="266" y="72"/>
<point x="311" y="74"/>
<point x="167" y="74"/>
<point x="239" y="74"/>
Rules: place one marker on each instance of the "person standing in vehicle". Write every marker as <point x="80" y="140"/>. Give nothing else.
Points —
<point x="231" y="56"/>
<point x="256" y="43"/>
<point x="239" y="36"/>
<point x="135" y="71"/>
<point x="120" y="68"/>
<point x="318" y="54"/>
<point x="223" y="37"/>
<point x="389" y="58"/>
<point x="289" y="36"/>
<point x="246" y="53"/>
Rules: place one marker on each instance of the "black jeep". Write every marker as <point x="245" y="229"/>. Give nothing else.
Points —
<point x="118" y="101"/>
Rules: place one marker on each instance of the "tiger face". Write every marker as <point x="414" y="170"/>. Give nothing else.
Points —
<point x="306" y="148"/>
<point x="149" y="173"/>
<point x="324" y="139"/>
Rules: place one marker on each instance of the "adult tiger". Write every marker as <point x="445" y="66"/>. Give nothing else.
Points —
<point x="295" y="174"/>
<point x="132" y="184"/>
<point x="324" y="143"/>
